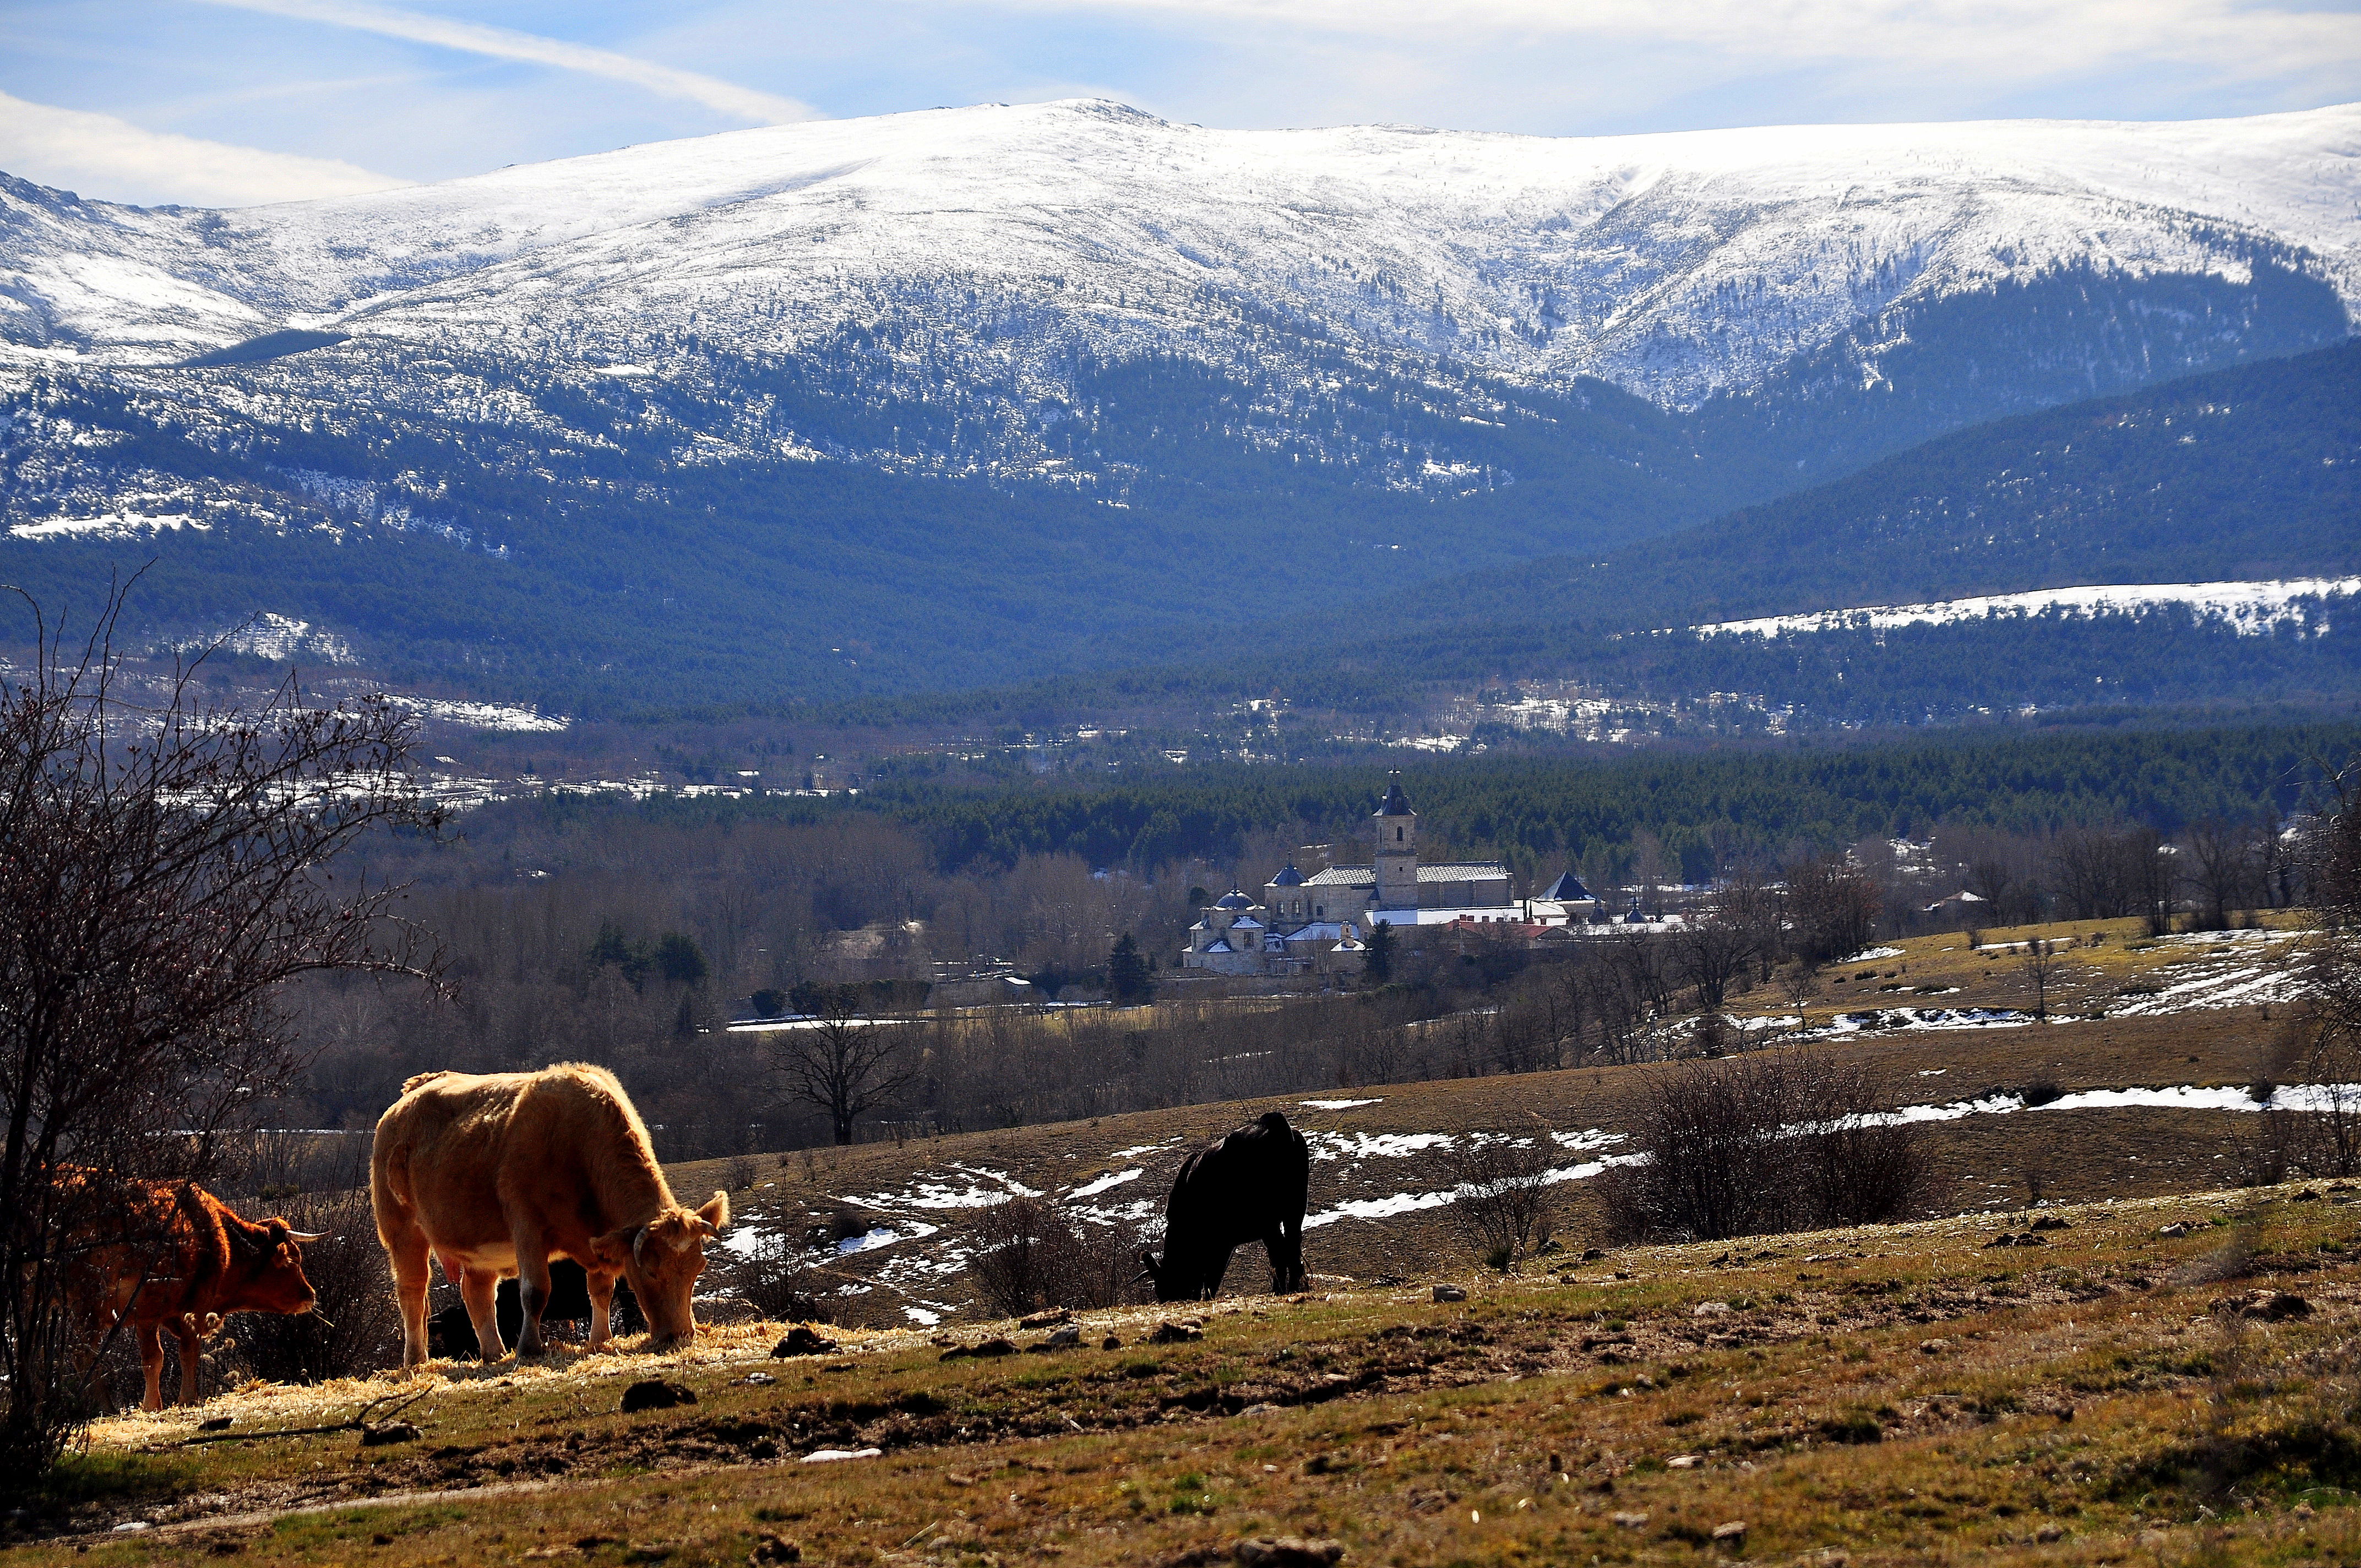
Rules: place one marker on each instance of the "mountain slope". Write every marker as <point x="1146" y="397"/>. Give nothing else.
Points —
<point x="973" y="394"/>
<point x="2235" y="477"/>
<point x="2248" y="473"/>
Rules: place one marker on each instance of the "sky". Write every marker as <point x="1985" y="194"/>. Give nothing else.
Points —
<point x="229" y="103"/>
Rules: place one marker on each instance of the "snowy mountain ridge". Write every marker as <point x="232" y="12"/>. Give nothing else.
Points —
<point x="1675" y="266"/>
<point x="1039" y="383"/>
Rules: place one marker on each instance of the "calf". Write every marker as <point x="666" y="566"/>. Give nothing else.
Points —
<point x="174" y="1256"/>
<point x="451" y="1332"/>
<point x="1249" y="1186"/>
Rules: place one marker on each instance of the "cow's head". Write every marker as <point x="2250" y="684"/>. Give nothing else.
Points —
<point x="661" y="1259"/>
<point x="1175" y="1279"/>
<point x="266" y="1270"/>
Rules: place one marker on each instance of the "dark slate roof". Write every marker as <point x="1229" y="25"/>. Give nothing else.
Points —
<point x="1566" y="889"/>
<point x="1395" y="804"/>
<point x="1458" y="871"/>
<point x="1464" y="871"/>
<point x="1234" y="899"/>
<point x="1290" y="877"/>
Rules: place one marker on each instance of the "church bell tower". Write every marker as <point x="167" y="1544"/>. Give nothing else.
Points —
<point x="1397" y="849"/>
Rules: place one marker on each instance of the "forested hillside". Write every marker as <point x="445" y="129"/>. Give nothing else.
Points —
<point x="2247" y="473"/>
<point x="1703" y="806"/>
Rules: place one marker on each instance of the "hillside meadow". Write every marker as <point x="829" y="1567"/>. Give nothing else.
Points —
<point x="2158" y="1369"/>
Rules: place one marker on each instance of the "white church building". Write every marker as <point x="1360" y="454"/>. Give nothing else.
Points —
<point x="1319" y="924"/>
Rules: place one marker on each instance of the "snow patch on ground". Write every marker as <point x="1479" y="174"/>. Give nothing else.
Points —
<point x="1373" y="1145"/>
<point x="1105" y="1183"/>
<point x="1340" y="1104"/>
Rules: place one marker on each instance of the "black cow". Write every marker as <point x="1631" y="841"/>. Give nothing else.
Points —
<point x="1250" y="1185"/>
<point x="451" y="1335"/>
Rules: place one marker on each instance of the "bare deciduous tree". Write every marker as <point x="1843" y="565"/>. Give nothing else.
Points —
<point x="2040" y="971"/>
<point x="1833" y="906"/>
<point x="2224" y="867"/>
<point x="164" y="869"/>
<point x="841" y="1061"/>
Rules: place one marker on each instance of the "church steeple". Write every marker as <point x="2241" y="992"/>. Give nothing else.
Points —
<point x="1396" y="856"/>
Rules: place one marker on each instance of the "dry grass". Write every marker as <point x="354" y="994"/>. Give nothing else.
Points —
<point x="1512" y="1429"/>
<point x="2074" y="1391"/>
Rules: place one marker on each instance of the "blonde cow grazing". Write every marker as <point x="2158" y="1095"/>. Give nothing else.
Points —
<point x="495" y="1175"/>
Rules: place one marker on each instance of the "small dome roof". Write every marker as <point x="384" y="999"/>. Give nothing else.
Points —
<point x="1290" y="877"/>
<point x="1234" y="899"/>
<point x="1396" y="802"/>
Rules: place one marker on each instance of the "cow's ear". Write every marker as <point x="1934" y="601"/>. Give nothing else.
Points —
<point x="715" y="1214"/>
<point x="614" y="1249"/>
<point x="275" y="1233"/>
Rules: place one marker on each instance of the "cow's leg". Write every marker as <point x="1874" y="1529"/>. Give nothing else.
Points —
<point x="192" y="1343"/>
<point x="1285" y="1246"/>
<point x="411" y="1283"/>
<point x="1217" y="1264"/>
<point x="479" y="1288"/>
<point x="602" y="1301"/>
<point x="533" y="1292"/>
<point x="151" y="1361"/>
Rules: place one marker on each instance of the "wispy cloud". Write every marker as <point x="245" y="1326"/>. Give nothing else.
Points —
<point x="2022" y="38"/>
<point x="99" y="155"/>
<point x="503" y="43"/>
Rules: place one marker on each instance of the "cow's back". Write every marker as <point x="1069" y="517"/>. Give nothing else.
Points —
<point x="1240" y="1182"/>
<point x="459" y="1152"/>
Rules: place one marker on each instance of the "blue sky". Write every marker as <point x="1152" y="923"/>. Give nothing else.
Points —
<point x="228" y="102"/>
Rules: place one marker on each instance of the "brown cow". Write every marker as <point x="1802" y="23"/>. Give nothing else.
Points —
<point x="175" y="1256"/>
<point x="495" y="1175"/>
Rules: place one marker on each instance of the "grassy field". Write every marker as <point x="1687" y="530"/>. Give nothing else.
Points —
<point x="1906" y="1394"/>
<point x="1895" y="1395"/>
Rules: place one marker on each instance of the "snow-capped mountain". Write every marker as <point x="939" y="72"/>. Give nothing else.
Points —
<point x="1082" y="302"/>
<point x="1675" y="266"/>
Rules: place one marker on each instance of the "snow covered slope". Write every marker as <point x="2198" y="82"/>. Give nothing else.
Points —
<point x="1675" y="266"/>
<point x="1156" y="363"/>
<point x="2251" y="609"/>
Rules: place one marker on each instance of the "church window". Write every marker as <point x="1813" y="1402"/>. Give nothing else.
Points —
<point x="1397" y="835"/>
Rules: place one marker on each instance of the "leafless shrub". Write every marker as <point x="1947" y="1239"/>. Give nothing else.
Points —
<point x="783" y="1281"/>
<point x="354" y="1328"/>
<point x="741" y="1172"/>
<point x="1504" y="1206"/>
<point x="1030" y="1255"/>
<point x="1852" y="1166"/>
<point x="2269" y="1151"/>
<point x="1759" y="1143"/>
